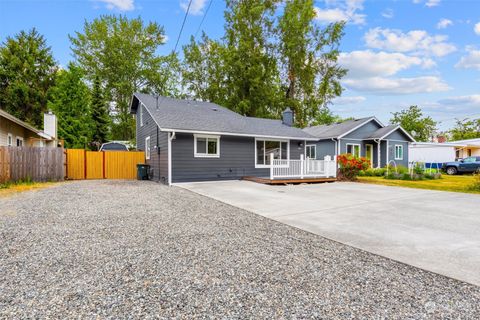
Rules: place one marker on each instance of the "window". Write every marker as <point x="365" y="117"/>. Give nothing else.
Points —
<point x="353" y="149"/>
<point x="19" y="142"/>
<point x="264" y="149"/>
<point x="206" y="146"/>
<point x="140" y="112"/>
<point x="398" y="152"/>
<point x="147" y="148"/>
<point x="470" y="159"/>
<point x="311" y="151"/>
<point x="9" y="140"/>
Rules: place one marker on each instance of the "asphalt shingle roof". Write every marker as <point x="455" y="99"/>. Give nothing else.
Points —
<point x="206" y="116"/>
<point x="336" y="129"/>
<point x="380" y="133"/>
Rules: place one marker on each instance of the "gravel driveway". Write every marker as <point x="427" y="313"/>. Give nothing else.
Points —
<point x="139" y="249"/>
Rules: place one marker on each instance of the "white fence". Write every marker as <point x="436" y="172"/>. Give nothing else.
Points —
<point x="303" y="168"/>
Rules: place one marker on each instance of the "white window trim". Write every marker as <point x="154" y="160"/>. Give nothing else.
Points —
<point x="261" y="166"/>
<point x="401" y="146"/>
<point x="147" y="148"/>
<point x="141" y="114"/>
<point x="21" y="139"/>
<point x="354" y="144"/>
<point x="205" y="155"/>
<point x="9" y="140"/>
<point x="371" y="146"/>
<point x="310" y="146"/>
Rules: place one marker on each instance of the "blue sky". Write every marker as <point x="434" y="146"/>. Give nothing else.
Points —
<point x="399" y="52"/>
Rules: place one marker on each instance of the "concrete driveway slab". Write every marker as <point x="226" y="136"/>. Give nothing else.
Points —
<point x="433" y="230"/>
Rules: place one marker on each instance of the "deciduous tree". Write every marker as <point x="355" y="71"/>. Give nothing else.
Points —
<point x="421" y="127"/>
<point x="466" y="129"/>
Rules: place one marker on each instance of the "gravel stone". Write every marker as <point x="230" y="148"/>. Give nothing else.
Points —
<point x="138" y="249"/>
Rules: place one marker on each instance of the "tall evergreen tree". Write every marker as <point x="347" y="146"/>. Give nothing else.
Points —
<point x="70" y="100"/>
<point x="100" y="117"/>
<point x="27" y="71"/>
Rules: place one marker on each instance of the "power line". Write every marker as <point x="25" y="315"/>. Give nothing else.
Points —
<point x="183" y="24"/>
<point x="204" y="16"/>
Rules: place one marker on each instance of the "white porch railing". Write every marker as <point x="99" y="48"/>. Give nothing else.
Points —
<point x="303" y="168"/>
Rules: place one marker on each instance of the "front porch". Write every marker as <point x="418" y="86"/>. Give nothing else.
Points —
<point x="298" y="171"/>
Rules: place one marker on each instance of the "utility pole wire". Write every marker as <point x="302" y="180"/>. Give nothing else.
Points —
<point x="204" y="16"/>
<point x="183" y="24"/>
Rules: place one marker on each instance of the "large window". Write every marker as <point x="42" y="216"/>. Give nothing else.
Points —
<point x="206" y="146"/>
<point x="147" y="148"/>
<point x="311" y="151"/>
<point x="353" y="149"/>
<point x="398" y="152"/>
<point x="265" y="148"/>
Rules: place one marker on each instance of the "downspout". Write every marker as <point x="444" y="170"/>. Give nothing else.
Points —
<point x="171" y="136"/>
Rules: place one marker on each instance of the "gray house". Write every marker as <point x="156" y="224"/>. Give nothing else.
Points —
<point x="366" y="137"/>
<point x="188" y="140"/>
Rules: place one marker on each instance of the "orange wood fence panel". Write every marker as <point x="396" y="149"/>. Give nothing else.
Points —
<point x="122" y="164"/>
<point x="94" y="163"/>
<point x="83" y="164"/>
<point x="75" y="164"/>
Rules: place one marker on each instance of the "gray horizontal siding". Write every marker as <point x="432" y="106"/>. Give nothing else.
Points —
<point x="364" y="131"/>
<point x="158" y="156"/>
<point x="325" y="148"/>
<point x="237" y="159"/>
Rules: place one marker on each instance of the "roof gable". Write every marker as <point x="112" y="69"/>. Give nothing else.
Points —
<point x="339" y="130"/>
<point x="392" y="132"/>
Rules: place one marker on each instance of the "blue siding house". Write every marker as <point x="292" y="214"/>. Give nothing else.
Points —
<point x="366" y="137"/>
<point x="186" y="140"/>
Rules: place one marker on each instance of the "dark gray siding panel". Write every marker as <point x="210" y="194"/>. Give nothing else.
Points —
<point x="158" y="156"/>
<point x="391" y="153"/>
<point x="383" y="153"/>
<point x="237" y="159"/>
<point x="364" y="131"/>
<point x="397" y="135"/>
<point x="325" y="148"/>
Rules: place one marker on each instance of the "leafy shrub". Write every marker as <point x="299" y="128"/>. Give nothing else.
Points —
<point x="475" y="186"/>
<point x="350" y="166"/>
<point x="418" y="168"/>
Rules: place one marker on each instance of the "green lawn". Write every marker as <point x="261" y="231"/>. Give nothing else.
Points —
<point x="446" y="183"/>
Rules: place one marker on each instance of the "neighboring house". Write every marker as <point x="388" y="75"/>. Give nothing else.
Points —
<point x="469" y="148"/>
<point x="366" y="137"/>
<point x="438" y="153"/>
<point x="188" y="140"/>
<point x="14" y="132"/>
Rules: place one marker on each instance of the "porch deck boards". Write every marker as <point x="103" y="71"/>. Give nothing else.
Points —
<point x="288" y="180"/>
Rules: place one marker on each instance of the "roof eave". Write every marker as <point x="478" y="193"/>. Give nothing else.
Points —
<point x="238" y="134"/>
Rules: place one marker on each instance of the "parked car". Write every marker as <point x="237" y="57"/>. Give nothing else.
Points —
<point x="113" y="146"/>
<point x="467" y="165"/>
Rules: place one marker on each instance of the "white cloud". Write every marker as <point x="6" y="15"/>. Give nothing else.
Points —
<point x="341" y="10"/>
<point x="476" y="28"/>
<point x="122" y="5"/>
<point x="432" y="3"/>
<point x="348" y="100"/>
<point x="428" y="3"/>
<point x="363" y="64"/>
<point x="415" y="41"/>
<point x="443" y="23"/>
<point x="388" y="13"/>
<point x="468" y="100"/>
<point x="470" y="61"/>
<point x="394" y="86"/>
<point x="196" y="8"/>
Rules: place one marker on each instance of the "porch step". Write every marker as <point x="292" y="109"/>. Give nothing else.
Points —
<point x="288" y="181"/>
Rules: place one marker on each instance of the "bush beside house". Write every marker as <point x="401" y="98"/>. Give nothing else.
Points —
<point x="350" y="166"/>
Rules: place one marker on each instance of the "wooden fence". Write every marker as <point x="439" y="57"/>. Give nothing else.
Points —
<point x="36" y="164"/>
<point x="82" y="164"/>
